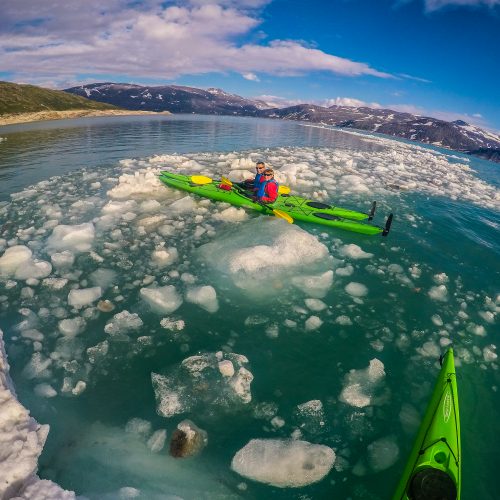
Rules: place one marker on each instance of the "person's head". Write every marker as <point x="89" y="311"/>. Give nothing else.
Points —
<point x="268" y="173"/>
<point x="260" y="167"/>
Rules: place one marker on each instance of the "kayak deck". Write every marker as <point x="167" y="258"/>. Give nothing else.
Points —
<point x="433" y="470"/>
<point x="297" y="207"/>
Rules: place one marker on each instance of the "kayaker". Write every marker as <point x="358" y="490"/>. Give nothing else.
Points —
<point x="255" y="182"/>
<point x="267" y="191"/>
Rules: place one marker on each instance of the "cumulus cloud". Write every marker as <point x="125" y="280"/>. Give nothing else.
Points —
<point x="251" y="76"/>
<point x="147" y="39"/>
<point x="349" y="101"/>
<point x="283" y="102"/>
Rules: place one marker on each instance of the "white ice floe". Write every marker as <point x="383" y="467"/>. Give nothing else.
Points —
<point x="22" y="439"/>
<point x="356" y="289"/>
<point x="163" y="300"/>
<point x="123" y="323"/>
<point x="361" y="386"/>
<point x="283" y="463"/>
<point x="312" y="323"/>
<point x="439" y="293"/>
<point x="232" y="214"/>
<point x="343" y="320"/>
<point x="203" y="381"/>
<point x="84" y="296"/>
<point x="157" y="440"/>
<point x="314" y="285"/>
<point x="315" y="305"/>
<point x="344" y="271"/>
<point x="17" y="262"/>
<point x="78" y="238"/>
<point x="163" y="257"/>
<point x="204" y="296"/>
<point x="354" y="252"/>
<point x="140" y="185"/>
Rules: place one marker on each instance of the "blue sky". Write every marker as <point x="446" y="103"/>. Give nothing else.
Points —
<point x="432" y="57"/>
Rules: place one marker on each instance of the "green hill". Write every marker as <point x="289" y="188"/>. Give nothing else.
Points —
<point x="15" y="98"/>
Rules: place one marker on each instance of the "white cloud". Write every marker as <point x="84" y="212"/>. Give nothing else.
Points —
<point x="349" y="101"/>
<point x="250" y="76"/>
<point x="70" y="37"/>
<point x="432" y="5"/>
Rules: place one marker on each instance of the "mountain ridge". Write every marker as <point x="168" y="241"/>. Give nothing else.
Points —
<point x="457" y="135"/>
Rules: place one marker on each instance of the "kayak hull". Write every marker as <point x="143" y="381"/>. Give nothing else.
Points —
<point x="434" y="467"/>
<point x="296" y="207"/>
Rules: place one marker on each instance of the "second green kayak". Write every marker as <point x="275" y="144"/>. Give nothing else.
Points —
<point x="433" y="471"/>
<point x="296" y="207"/>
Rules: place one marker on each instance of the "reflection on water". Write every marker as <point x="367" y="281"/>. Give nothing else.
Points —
<point x="34" y="151"/>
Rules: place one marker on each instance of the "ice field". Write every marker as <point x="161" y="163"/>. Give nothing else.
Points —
<point x="298" y="359"/>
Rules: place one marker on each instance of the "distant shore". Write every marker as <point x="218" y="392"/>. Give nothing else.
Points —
<point x="12" y="119"/>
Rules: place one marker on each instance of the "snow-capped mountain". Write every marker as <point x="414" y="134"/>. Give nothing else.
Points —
<point x="173" y="98"/>
<point x="457" y="135"/>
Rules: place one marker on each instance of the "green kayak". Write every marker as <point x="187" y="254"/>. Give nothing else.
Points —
<point x="291" y="206"/>
<point x="433" y="471"/>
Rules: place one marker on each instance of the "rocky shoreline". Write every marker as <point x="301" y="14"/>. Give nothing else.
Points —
<point x="11" y="119"/>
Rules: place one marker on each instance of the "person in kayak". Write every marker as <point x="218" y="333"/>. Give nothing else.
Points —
<point x="267" y="191"/>
<point x="253" y="184"/>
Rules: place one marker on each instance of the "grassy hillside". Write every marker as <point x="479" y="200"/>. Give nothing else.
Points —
<point x="15" y="98"/>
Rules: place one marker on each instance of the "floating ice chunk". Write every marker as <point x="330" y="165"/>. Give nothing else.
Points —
<point x="283" y="463"/>
<point x="343" y="320"/>
<point x="163" y="257"/>
<point x="272" y="331"/>
<point x="17" y="262"/>
<point x="436" y="319"/>
<point x="440" y="278"/>
<point x="45" y="391"/>
<point x="316" y="286"/>
<point x="173" y="325"/>
<point x="199" y="382"/>
<point x="37" y="366"/>
<point x="478" y="330"/>
<point x="356" y="289"/>
<point x="103" y="278"/>
<point x="150" y="206"/>
<point x="13" y="258"/>
<point x="488" y="316"/>
<point x="277" y="422"/>
<point x="312" y="323"/>
<point x="415" y="271"/>
<point x="226" y="368"/>
<point x="55" y="283"/>
<point x="71" y="327"/>
<point x="157" y="441"/>
<point x="315" y="305"/>
<point x="383" y="453"/>
<point x="361" y="385"/>
<point x="204" y="296"/>
<point x="79" y="388"/>
<point x="354" y="252"/>
<point x="429" y="350"/>
<point x="184" y="205"/>
<point x="344" y="271"/>
<point x="232" y="214"/>
<point x="84" y="296"/>
<point x="489" y="353"/>
<point x="163" y="300"/>
<point x="77" y="238"/>
<point x="310" y="416"/>
<point x="123" y="323"/>
<point x="241" y="384"/>
<point x="98" y="352"/>
<point x="139" y="185"/>
<point x="63" y="259"/>
<point x="353" y="184"/>
<point x="439" y="293"/>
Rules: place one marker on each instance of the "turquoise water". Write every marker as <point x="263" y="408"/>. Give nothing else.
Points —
<point x="398" y="300"/>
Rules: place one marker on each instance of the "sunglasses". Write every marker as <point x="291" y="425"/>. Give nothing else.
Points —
<point x="268" y="175"/>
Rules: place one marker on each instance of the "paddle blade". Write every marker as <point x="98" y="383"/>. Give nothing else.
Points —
<point x="200" y="179"/>
<point x="284" y="190"/>
<point x="225" y="180"/>
<point x="283" y="215"/>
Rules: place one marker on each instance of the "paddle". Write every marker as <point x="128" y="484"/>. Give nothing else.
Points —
<point x="278" y="213"/>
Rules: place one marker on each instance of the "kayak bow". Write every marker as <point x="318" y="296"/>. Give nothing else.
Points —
<point x="433" y="471"/>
